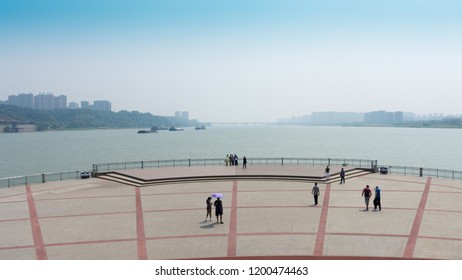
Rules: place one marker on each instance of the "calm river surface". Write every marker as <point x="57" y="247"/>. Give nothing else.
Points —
<point x="42" y="152"/>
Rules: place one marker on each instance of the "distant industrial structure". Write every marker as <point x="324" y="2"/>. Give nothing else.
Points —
<point x="48" y="101"/>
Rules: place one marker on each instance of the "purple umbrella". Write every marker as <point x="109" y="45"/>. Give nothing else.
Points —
<point x="217" y="195"/>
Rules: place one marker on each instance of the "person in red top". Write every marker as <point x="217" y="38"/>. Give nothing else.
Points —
<point x="367" y="195"/>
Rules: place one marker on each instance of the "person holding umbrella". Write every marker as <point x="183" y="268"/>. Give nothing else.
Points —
<point x="218" y="207"/>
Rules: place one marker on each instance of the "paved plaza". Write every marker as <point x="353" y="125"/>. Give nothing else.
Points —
<point x="270" y="218"/>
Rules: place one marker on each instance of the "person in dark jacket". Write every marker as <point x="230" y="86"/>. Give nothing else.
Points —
<point x="377" y="202"/>
<point x="342" y="176"/>
<point x="367" y="193"/>
<point x="315" y="191"/>
<point x="219" y="210"/>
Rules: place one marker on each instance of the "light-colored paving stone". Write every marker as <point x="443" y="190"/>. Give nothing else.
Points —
<point x="88" y="228"/>
<point x="99" y="219"/>
<point x="273" y="245"/>
<point x="16" y="233"/>
<point x="123" y="250"/>
<point x="187" y="248"/>
<point x="366" y="246"/>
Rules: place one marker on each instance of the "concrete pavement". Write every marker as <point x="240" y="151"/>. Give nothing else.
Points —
<point x="101" y="219"/>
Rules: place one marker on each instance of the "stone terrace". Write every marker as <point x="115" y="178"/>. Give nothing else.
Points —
<point x="421" y="217"/>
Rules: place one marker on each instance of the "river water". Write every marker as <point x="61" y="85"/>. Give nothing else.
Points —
<point x="56" y="151"/>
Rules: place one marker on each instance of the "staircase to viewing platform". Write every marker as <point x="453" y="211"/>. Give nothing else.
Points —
<point x="155" y="176"/>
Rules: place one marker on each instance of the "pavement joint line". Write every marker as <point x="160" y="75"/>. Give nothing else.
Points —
<point x="413" y="235"/>
<point x="232" y="236"/>
<point x="88" y="215"/>
<point x="140" y="232"/>
<point x="15" y="220"/>
<point x="40" y="250"/>
<point x="321" y="234"/>
<point x="86" y="197"/>
<point x="75" y="243"/>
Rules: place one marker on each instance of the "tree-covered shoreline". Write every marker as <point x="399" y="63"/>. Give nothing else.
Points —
<point x="83" y="119"/>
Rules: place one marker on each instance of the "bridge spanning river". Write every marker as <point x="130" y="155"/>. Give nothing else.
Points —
<point x="244" y="123"/>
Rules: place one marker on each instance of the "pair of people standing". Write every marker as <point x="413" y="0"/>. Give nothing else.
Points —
<point x="218" y="209"/>
<point x="367" y="194"/>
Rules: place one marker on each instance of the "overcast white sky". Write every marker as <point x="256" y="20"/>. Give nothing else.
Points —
<point x="237" y="60"/>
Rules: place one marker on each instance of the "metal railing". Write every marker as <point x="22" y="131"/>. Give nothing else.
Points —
<point x="39" y="178"/>
<point x="108" y="167"/>
<point x="425" y="172"/>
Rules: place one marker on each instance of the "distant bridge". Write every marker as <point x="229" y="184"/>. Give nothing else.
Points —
<point x="244" y="123"/>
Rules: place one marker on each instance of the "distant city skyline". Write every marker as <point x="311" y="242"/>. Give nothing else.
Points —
<point x="239" y="60"/>
<point x="48" y="101"/>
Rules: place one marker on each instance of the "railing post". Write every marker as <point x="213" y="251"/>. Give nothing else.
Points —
<point x="95" y="170"/>
<point x="8" y="182"/>
<point x="282" y="161"/>
<point x="44" y="180"/>
<point x="421" y="172"/>
<point x="189" y="162"/>
<point x="142" y="164"/>
<point x="328" y="161"/>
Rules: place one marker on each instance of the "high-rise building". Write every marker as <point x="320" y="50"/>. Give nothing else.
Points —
<point x="399" y="117"/>
<point x="185" y="115"/>
<point x="25" y="100"/>
<point x="44" y="101"/>
<point x="84" y="104"/>
<point x="102" y="105"/>
<point x="73" y="105"/>
<point x="60" y="102"/>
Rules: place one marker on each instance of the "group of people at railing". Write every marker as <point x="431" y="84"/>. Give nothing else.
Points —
<point x="233" y="159"/>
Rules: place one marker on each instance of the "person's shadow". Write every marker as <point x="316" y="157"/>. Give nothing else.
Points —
<point x="207" y="224"/>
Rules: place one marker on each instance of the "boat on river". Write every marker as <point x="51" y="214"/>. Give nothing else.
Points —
<point x="145" y="131"/>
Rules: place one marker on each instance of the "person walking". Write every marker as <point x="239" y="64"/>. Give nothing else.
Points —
<point x="367" y="195"/>
<point x="342" y="176"/>
<point x="218" y="210"/>
<point x="244" y="162"/>
<point x="327" y="173"/>
<point x="315" y="191"/>
<point x="208" y="203"/>
<point x="377" y="199"/>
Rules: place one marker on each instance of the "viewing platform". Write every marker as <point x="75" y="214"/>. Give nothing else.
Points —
<point x="269" y="213"/>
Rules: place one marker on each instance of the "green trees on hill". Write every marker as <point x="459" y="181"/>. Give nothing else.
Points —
<point x="80" y="118"/>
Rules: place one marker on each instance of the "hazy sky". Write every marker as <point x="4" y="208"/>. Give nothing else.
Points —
<point x="237" y="60"/>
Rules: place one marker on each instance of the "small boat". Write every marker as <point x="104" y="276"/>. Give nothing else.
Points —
<point x="200" y="127"/>
<point x="175" y="129"/>
<point x="144" y="131"/>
